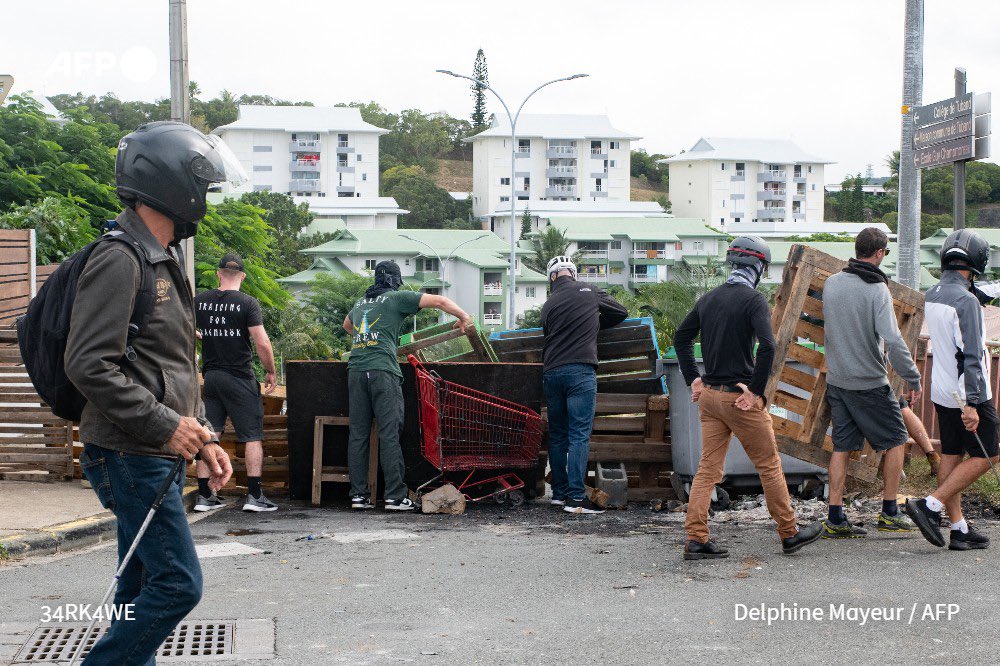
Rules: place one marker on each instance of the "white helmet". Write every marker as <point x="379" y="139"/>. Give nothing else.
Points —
<point x="560" y="263"/>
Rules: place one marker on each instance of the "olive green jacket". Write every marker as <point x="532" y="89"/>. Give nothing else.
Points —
<point x="133" y="406"/>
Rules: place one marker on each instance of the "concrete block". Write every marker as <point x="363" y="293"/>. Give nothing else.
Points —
<point x="613" y="480"/>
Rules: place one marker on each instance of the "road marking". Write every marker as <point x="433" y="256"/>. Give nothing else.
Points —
<point x="225" y="549"/>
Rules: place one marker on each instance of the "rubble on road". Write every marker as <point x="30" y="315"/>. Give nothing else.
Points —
<point x="446" y="499"/>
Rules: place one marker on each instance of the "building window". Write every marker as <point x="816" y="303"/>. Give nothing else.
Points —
<point x="505" y="181"/>
<point x="261" y="167"/>
<point x="723" y="165"/>
<point x="431" y="265"/>
<point x="344" y="195"/>
<point x="810" y="169"/>
<point x="358" y="159"/>
<point x="612" y="163"/>
<point x="262" y="149"/>
<point x="261" y="188"/>
<point x="814" y="187"/>
<point x="364" y="176"/>
<point x="722" y="221"/>
<point x="699" y="246"/>
<point x="503" y="199"/>
<point x="524" y="146"/>
<point x="529" y="292"/>
<point x="736" y="220"/>
<point x="615" y="245"/>
<point x="614" y="145"/>
<point x="342" y="141"/>
<point x="407" y="262"/>
<point x="723" y="203"/>
<point x="370" y="264"/>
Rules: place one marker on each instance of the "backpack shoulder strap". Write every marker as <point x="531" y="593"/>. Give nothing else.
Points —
<point x="145" y="299"/>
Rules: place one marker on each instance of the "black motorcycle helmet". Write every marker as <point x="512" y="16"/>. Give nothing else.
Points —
<point x="966" y="250"/>
<point x="169" y="166"/>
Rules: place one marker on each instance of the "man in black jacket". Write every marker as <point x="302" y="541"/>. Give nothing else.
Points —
<point x="730" y="396"/>
<point x="573" y="315"/>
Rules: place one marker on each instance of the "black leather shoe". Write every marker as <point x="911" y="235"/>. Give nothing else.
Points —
<point x="804" y="537"/>
<point x="704" y="551"/>
<point x="927" y="521"/>
<point x="971" y="540"/>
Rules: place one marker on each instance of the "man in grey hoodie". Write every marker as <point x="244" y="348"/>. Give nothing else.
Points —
<point x="860" y="329"/>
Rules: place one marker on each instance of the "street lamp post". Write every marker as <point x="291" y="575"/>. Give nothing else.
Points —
<point x="513" y="147"/>
<point x="441" y="264"/>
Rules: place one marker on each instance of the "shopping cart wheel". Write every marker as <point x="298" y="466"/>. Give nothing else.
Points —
<point x="500" y="496"/>
<point x="516" y="497"/>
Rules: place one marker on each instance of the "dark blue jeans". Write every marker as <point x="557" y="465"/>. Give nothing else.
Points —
<point x="571" y="398"/>
<point x="163" y="578"/>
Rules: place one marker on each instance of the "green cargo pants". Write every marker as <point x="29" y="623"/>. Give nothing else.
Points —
<point x="376" y="394"/>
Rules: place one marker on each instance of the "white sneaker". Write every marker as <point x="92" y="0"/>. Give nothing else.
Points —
<point x="208" y="503"/>
<point x="582" y="506"/>
<point x="404" y="504"/>
<point x="258" y="504"/>
<point x="557" y="502"/>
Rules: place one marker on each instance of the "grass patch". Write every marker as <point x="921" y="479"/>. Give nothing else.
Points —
<point x="919" y="482"/>
<point x="3" y="553"/>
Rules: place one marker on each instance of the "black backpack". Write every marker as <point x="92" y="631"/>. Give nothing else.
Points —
<point x="43" y="330"/>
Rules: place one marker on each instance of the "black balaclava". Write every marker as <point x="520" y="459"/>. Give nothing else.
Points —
<point x="387" y="278"/>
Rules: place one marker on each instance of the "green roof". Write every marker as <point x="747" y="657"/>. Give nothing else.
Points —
<point x="395" y="241"/>
<point x="528" y="275"/>
<point x="655" y="229"/>
<point x="992" y="237"/>
<point x="844" y="251"/>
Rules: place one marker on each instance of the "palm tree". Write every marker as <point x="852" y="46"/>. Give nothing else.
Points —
<point x="545" y="245"/>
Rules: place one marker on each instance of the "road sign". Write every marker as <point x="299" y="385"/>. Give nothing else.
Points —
<point x="944" y="153"/>
<point x="956" y="128"/>
<point x="6" y="83"/>
<point x="946" y="109"/>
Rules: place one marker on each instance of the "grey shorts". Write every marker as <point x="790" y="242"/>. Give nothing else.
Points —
<point x="239" y="399"/>
<point x="872" y="414"/>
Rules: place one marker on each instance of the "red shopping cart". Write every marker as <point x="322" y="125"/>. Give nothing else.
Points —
<point x="464" y="430"/>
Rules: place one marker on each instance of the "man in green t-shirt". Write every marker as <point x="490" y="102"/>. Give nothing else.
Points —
<point x="375" y="382"/>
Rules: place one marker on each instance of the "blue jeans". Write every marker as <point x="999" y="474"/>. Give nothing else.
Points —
<point x="163" y="578"/>
<point x="571" y="397"/>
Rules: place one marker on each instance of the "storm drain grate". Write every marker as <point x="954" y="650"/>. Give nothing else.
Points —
<point x="191" y="639"/>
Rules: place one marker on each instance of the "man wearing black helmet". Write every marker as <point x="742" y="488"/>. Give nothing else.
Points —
<point x="144" y="407"/>
<point x="730" y="395"/>
<point x="375" y="382"/>
<point x="960" y="389"/>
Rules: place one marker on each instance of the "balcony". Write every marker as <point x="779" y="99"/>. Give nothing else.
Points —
<point x="643" y="278"/>
<point x="564" y="171"/>
<point x="599" y="194"/>
<point x="593" y="253"/>
<point x="345" y="188"/>
<point x="560" y="152"/>
<point x="770" y="213"/>
<point x="771" y="195"/>
<point x="649" y="254"/>
<point x="737" y="213"/>
<point x="799" y="196"/>
<point x="772" y="176"/>
<point x="492" y="318"/>
<point x="798" y="215"/>
<point x="493" y="289"/>
<point x="304" y="146"/>
<point x="522" y="151"/>
<point x="304" y="165"/>
<point x="598" y="154"/>
<point x="799" y="179"/>
<point x="304" y="185"/>
<point x="599" y="174"/>
<point x="560" y="191"/>
<point x="737" y="195"/>
<point x="592" y="277"/>
<point x="343" y="168"/>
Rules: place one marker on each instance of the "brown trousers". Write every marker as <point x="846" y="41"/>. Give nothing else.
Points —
<point x="720" y="420"/>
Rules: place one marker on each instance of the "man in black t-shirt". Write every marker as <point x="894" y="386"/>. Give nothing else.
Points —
<point x="227" y="321"/>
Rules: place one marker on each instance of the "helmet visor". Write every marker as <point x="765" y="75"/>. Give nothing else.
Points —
<point x="219" y="165"/>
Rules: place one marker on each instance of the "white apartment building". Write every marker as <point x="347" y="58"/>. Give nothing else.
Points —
<point x="734" y="181"/>
<point x="557" y="158"/>
<point x="325" y="156"/>
<point x="540" y="212"/>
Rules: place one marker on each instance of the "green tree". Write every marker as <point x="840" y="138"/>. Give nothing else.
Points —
<point x="332" y="296"/>
<point x="822" y="238"/>
<point x="298" y="334"/>
<point x="429" y="205"/>
<point x="545" y="245"/>
<point x="479" y="72"/>
<point x="287" y="221"/>
<point x="525" y="223"/>
<point x="643" y="165"/>
<point x="235" y="226"/>
<point x="61" y="227"/>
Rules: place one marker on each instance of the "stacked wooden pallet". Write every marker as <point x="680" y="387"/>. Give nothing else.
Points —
<point x="35" y="445"/>
<point x="797" y="320"/>
<point x="444" y="342"/>
<point x="275" y="468"/>
<point x="631" y="425"/>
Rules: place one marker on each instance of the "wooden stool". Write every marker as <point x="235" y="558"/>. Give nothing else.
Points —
<point x="335" y="473"/>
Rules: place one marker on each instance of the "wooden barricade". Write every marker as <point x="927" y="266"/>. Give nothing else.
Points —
<point x="17" y="273"/>
<point x="798" y="317"/>
<point x="275" y="468"/>
<point x="631" y="425"/>
<point x="35" y="445"/>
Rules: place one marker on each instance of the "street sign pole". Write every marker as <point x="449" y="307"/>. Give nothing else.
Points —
<point x="959" y="201"/>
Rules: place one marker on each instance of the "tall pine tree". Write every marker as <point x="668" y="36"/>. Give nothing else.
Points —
<point x="480" y="73"/>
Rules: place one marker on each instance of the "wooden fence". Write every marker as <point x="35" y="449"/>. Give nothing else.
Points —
<point x="17" y="273"/>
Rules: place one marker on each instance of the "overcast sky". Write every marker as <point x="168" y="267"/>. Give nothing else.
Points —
<point x="825" y="74"/>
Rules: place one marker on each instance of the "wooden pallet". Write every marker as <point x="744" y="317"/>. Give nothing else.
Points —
<point x="444" y="342"/>
<point x="631" y="425"/>
<point x="798" y="316"/>
<point x="35" y="445"/>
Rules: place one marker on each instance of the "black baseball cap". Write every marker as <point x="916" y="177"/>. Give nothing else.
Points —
<point x="231" y="261"/>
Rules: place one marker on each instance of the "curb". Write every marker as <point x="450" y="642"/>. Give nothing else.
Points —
<point x="72" y="535"/>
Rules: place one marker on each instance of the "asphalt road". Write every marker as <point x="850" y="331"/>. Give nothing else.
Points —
<point x="535" y="585"/>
